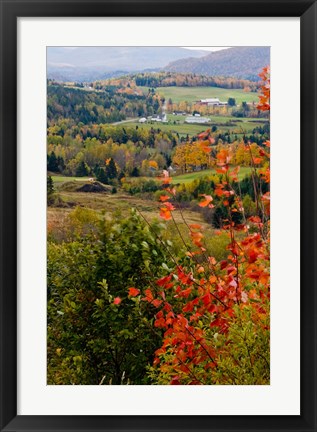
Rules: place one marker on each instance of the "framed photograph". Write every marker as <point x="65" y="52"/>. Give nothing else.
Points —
<point x="158" y="196"/>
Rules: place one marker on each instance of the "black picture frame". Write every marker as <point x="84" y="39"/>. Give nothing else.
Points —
<point x="10" y="11"/>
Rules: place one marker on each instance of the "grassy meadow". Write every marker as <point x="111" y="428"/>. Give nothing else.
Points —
<point x="192" y="94"/>
<point x="190" y="177"/>
<point x="224" y="124"/>
<point x="177" y="179"/>
<point x="122" y="202"/>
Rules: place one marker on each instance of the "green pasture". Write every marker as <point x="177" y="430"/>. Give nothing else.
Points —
<point x="181" y="178"/>
<point x="189" y="177"/>
<point x="192" y="94"/>
<point x="224" y="122"/>
<point x="183" y="129"/>
<point x="63" y="179"/>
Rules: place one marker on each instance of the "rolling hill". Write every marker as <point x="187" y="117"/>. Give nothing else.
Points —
<point x="239" y="62"/>
<point x="92" y="63"/>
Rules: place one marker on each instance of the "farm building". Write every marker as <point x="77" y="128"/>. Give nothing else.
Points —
<point x="212" y="102"/>
<point x="193" y="119"/>
<point x="179" y="113"/>
<point x="160" y="118"/>
<point x="171" y="170"/>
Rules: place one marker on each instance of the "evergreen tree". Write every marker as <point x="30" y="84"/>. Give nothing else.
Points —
<point x="60" y="164"/>
<point x="135" y="172"/>
<point x="82" y="169"/>
<point x="111" y="170"/>
<point x="231" y="101"/>
<point x="52" y="164"/>
<point x="96" y="169"/>
<point x="50" y="186"/>
<point x="101" y="176"/>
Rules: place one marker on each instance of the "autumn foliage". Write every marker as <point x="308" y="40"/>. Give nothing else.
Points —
<point x="215" y="314"/>
<point x="169" y="300"/>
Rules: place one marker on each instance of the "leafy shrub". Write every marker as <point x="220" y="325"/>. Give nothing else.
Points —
<point x="140" y="186"/>
<point x="96" y="332"/>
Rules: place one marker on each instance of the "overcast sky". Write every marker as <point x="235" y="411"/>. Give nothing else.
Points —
<point x="207" y="48"/>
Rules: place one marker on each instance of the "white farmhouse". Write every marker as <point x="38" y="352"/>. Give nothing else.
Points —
<point x="164" y="118"/>
<point x="160" y="118"/>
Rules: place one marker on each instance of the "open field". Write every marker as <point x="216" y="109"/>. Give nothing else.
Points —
<point x="177" y="179"/>
<point x="182" y="129"/>
<point x="120" y="206"/>
<point x="187" y="178"/>
<point x="63" y="179"/>
<point x="239" y="127"/>
<point x="216" y="119"/>
<point x="120" y="203"/>
<point x="222" y="122"/>
<point x="192" y="94"/>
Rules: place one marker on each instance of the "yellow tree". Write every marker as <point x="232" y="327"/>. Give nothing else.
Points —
<point x="153" y="164"/>
<point x="189" y="156"/>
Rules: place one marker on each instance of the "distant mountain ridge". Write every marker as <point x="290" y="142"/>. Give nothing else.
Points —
<point x="238" y="62"/>
<point x="93" y="63"/>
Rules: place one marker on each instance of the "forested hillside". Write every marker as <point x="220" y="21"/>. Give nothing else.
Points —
<point x="239" y="62"/>
<point x="87" y="107"/>
<point x="178" y="79"/>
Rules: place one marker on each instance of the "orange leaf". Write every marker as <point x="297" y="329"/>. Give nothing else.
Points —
<point x="160" y="323"/>
<point x="165" y="213"/>
<point x="149" y="296"/>
<point x="195" y="226"/>
<point x="262" y="152"/>
<point x="117" y="301"/>
<point x="255" y="219"/>
<point x="203" y="135"/>
<point x="212" y="279"/>
<point x="164" y="280"/>
<point x="133" y="292"/>
<point x="208" y="199"/>
<point x="156" y="302"/>
<point x="167" y="180"/>
<point x="213" y="308"/>
<point x="169" y="206"/>
<point x="219" y="190"/>
<point x="185" y="293"/>
<point x="257" y="160"/>
<point x="205" y="149"/>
